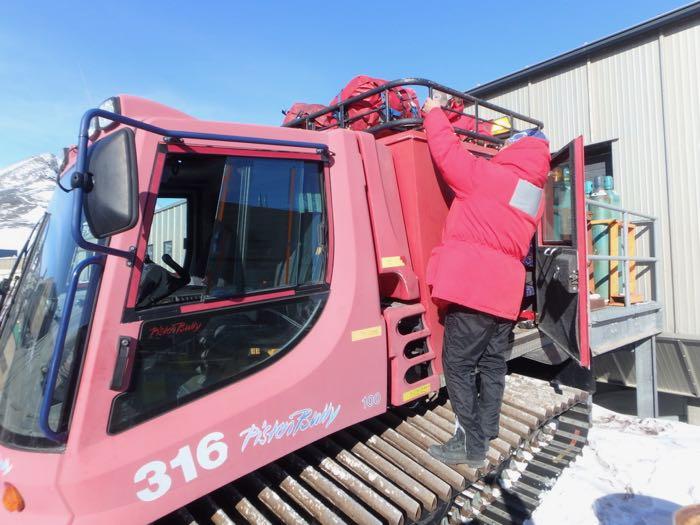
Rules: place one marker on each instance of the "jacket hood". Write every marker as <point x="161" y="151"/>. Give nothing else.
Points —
<point x="529" y="157"/>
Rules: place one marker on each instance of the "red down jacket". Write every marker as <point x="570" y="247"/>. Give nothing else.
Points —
<point x="491" y="221"/>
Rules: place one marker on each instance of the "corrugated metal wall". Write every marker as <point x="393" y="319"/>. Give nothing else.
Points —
<point x="625" y="104"/>
<point x="680" y="70"/>
<point x="645" y="98"/>
<point x="516" y="100"/>
<point x="561" y="102"/>
<point x="169" y="225"/>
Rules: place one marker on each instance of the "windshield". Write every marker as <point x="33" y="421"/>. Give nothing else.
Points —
<point x="30" y="327"/>
<point x="8" y="285"/>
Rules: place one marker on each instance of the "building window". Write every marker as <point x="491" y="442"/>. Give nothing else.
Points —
<point x="598" y="160"/>
<point x="168" y="248"/>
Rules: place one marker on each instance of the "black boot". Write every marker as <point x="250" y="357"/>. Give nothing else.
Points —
<point x="454" y="452"/>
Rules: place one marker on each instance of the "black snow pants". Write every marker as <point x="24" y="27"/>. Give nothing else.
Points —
<point x="476" y="343"/>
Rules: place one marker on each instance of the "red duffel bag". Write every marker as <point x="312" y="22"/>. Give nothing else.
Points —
<point x="369" y="112"/>
<point x="302" y="109"/>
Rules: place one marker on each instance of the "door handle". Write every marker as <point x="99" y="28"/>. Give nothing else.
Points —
<point x="126" y="353"/>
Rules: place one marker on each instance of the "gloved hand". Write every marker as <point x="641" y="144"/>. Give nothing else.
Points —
<point x="430" y="104"/>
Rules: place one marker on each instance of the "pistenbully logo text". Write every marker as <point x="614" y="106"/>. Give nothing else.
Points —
<point x="298" y="421"/>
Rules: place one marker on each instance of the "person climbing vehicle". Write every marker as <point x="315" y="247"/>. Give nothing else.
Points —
<point x="476" y="273"/>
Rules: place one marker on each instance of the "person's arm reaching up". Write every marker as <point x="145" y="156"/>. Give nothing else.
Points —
<point x="455" y="163"/>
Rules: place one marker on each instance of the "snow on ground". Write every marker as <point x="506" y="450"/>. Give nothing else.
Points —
<point x="633" y="472"/>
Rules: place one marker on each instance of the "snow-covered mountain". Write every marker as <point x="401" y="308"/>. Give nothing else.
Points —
<point x="25" y="190"/>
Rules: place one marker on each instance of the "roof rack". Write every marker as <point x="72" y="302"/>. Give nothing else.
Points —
<point x="391" y="123"/>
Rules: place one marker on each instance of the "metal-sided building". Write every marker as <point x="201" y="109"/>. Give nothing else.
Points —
<point x="169" y="231"/>
<point x="635" y="97"/>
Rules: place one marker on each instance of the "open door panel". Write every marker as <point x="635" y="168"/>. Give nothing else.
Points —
<point x="562" y="295"/>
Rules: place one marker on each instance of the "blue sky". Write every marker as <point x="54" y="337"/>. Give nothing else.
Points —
<point x="246" y="61"/>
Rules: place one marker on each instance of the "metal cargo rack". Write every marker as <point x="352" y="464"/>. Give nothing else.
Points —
<point x="472" y="108"/>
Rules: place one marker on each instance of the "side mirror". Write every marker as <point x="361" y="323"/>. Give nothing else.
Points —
<point x="4" y="286"/>
<point x="111" y="206"/>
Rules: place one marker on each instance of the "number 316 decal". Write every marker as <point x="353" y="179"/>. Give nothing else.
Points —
<point x="211" y="453"/>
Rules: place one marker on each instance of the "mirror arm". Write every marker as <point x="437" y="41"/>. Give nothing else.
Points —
<point x="84" y="181"/>
<point x="77" y="232"/>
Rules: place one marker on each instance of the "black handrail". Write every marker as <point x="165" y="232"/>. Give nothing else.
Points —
<point x="57" y="354"/>
<point x="308" y="121"/>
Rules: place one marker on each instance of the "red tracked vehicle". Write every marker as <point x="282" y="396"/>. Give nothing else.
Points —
<point x="298" y="313"/>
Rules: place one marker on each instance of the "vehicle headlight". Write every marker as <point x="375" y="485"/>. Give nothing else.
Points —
<point x="100" y="124"/>
<point x="112" y="105"/>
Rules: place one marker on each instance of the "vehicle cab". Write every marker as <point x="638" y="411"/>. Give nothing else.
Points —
<point x="165" y="379"/>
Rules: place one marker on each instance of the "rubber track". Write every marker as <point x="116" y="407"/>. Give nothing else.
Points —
<point x="379" y="471"/>
<point x="514" y="490"/>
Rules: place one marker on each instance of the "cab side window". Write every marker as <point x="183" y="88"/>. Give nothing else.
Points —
<point x="230" y="226"/>
<point x="267" y="231"/>
<point x="254" y="226"/>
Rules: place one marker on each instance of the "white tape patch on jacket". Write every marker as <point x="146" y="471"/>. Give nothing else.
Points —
<point x="526" y="198"/>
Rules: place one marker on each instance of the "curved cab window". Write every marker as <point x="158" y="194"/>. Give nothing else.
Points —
<point x="179" y="360"/>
